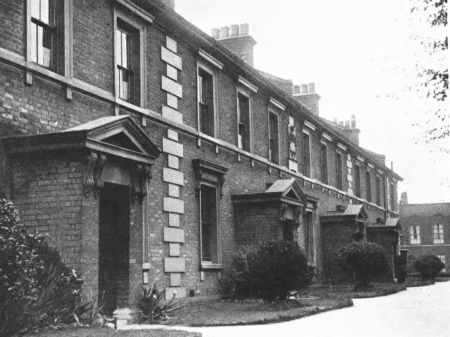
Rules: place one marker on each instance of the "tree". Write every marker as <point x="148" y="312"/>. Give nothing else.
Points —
<point x="434" y="76"/>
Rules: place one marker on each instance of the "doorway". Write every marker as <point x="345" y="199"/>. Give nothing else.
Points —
<point x="114" y="246"/>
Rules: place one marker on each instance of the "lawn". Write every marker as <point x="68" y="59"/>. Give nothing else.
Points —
<point x="227" y="312"/>
<point x="105" y="332"/>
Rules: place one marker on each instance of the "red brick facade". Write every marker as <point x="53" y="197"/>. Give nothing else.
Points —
<point x="48" y="188"/>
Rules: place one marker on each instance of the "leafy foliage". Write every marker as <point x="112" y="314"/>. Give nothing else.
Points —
<point x="366" y="260"/>
<point x="36" y="288"/>
<point x="268" y="271"/>
<point x="428" y="266"/>
<point x="154" y="307"/>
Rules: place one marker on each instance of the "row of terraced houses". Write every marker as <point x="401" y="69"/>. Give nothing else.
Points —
<point x="150" y="151"/>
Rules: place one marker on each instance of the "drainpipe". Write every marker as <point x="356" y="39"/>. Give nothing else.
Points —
<point x="145" y="235"/>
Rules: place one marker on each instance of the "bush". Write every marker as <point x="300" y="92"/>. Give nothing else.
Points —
<point x="365" y="260"/>
<point x="36" y="288"/>
<point x="428" y="266"/>
<point x="268" y="271"/>
<point x="153" y="306"/>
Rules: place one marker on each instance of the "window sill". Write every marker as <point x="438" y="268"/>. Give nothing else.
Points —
<point x="211" y="266"/>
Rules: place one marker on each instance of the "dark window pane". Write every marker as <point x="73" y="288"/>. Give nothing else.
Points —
<point x="323" y="163"/>
<point x="368" y="187"/>
<point x="206" y="102"/>
<point x="273" y="138"/>
<point x="244" y="122"/>
<point x="306" y="155"/>
<point x="208" y="211"/>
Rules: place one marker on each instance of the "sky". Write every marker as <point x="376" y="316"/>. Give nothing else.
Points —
<point x="363" y="57"/>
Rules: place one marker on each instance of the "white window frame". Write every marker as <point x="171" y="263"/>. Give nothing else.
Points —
<point x="357" y="167"/>
<point x="241" y="91"/>
<point x="141" y="27"/>
<point x="205" y="68"/>
<point x="438" y="233"/>
<point x="269" y="111"/>
<point x="208" y="264"/>
<point x="414" y="240"/>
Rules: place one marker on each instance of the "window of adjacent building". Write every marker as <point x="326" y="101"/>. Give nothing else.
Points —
<point x="273" y="138"/>
<point x="244" y="122"/>
<point x="357" y="173"/>
<point x="378" y="190"/>
<point x="438" y="233"/>
<point x="414" y="234"/>
<point x="368" y="187"/>
<point x="323" y="163"/>
<point x="442" y="258"/>
<point x="339" y="176"/>
<point x="206" y="101"/>
<point x="128" y="62"/>
<point x="306" y="154"/>
<point x="208" y="227"/>
<point x="43" y="32"/>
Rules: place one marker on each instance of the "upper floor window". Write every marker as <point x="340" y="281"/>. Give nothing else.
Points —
<point x="292" y="143"/>
<point x="414" y="234"/>
<point x="392" y="196"/>
<point x="306" y="154"/>
<point x="273" y="138"/>
<point x="243" y="121"/>
<point x="378" y="190"/>
<point x="339" y="168"/>
<point x="323" y="163"/>
<point x="368" y="187"/>
<point x="128" y="62"/>
<point x="438" y="233"/>
<point x="206" y="101"/>
<point x="43" y="32"/>
<point x="357" y="173"/>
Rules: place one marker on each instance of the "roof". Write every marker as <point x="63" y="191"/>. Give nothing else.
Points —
<point x="392" y="222"/>
<point x="280" y="186"/>
<point x="118" y="136"/>
<point x="97" y="123"/>
<point x="351" y="210"/>
<point x="192" y="32"/>
<point x="442" y="208"/>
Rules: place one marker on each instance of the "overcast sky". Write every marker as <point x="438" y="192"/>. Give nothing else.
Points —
<point x="363" y="57"/>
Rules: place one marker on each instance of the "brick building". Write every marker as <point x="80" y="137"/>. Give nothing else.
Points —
<point x="149" y="151"/>
<point x="426" y="230"/>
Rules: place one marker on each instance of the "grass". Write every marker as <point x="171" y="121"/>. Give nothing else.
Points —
<point x="227" y="312"/>
<point x="105" y="332"/>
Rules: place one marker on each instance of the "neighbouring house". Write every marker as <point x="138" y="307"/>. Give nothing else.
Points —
<point x="150" y="151"/>
<point x="425" y="230"/>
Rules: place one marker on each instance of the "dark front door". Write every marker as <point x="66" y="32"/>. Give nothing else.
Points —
<point x="114" y="246"/>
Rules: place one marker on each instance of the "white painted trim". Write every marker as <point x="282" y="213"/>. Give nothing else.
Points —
<point x="361" y="159"/>
<point x="342" y="146"/>
<point x="211" y="59"/>
<point x="327" y="136"/>
<point x="247" y="84"/>
<point x="309" y="125"/>
<point x="138" y="11"/>
<point x="371" y="165"/>
<point x="277" y="103"/>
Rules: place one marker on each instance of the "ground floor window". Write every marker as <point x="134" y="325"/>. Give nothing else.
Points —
<point x="309" y="236"/>
<point x="208" y="226"/>
<point x="414" y="234"/>
<point x="442" y="258"/>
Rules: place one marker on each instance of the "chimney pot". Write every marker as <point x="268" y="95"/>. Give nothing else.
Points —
<point x="234" y="30"/>
<point x="215" y="32"/>
<point x="243" y="29"/>
<point x="169" y="3"/>
<point x="224" y="32"/>
<point x="311" y="88"/>
<point x="304" y="89"/>
<point x="353" y="122"/>
<point x="297" y="89"/>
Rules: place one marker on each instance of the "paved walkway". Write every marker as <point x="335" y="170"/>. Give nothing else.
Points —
<point x="416" y="312"/>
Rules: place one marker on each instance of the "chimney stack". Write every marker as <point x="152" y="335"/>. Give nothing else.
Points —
<point x="306" y="94"/>
<point x="169" y="3"/>
<point x="404" y="198"/>
<point x="349" y="129"/>
<point x="236" y="38"/>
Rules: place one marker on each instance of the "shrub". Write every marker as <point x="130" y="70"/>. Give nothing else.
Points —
<point x="36" y="288"/>
<point x="428" y="266"/>
<point x="268" y="271"/>
<point x="365" y="260"/>
<point x="153" y="306"/>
